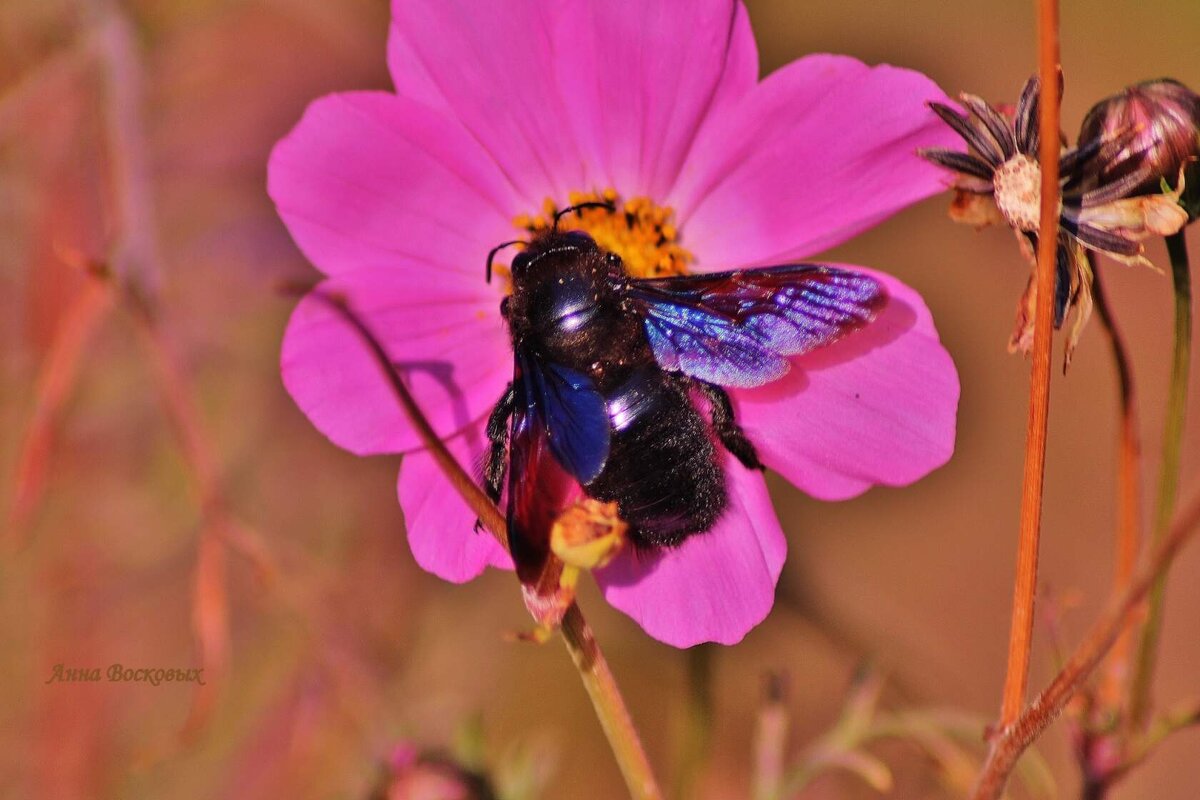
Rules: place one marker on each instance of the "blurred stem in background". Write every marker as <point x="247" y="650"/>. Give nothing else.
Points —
<point x="770" y="740"/>
<point x="695" y="735"/>
<point x="576" y="634"/>
<point x="1168" y="482"/>
<point x="1025" y="586"/>
<point x="1129" y="489"/>
<point x="57" y="376"/>
<point x="129" y="274"/>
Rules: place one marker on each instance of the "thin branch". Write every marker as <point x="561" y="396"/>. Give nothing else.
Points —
<point x="1168" y="485"/>
<point x="1025" y="585"/>
<point x="1129" y="489"/>
<point x="1010" y="742"/>
<point x="57" y="377"/>
<point x="136" y="257"/>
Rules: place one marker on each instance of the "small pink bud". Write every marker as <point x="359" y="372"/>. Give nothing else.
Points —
<point x="1161" y="119"/>
<point x="412" y="775"/>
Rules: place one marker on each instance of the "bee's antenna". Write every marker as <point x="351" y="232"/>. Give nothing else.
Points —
<point x="497" y="249"/>
<point x="580" y="206"/>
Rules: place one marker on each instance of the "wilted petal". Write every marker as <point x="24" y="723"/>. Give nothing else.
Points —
<point x="715" y="586"/>
<point x="443" y="333"/>
<point x="440" y="525"/>
<point x="877" y="407"/>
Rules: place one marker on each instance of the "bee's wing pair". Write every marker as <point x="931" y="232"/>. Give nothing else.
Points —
<point x="738" y="328"/>
<point x="728" y="328"/>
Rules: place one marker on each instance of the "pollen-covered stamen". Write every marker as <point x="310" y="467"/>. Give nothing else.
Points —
<point x="1017" y="185"/>
<point x="641" y="232"/>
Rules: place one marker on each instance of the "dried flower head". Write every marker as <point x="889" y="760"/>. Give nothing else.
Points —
<point x="1102" y="209"/>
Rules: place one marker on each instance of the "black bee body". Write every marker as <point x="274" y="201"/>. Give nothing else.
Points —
<point x="568" y="307"/>
<point x="606" y="367"/>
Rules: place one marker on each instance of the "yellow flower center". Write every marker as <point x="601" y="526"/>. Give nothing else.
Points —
<point x="638" y="230"/>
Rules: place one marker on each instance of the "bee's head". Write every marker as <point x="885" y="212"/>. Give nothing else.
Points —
<point x="551" y="248"/>
<point x="548" y="243"/>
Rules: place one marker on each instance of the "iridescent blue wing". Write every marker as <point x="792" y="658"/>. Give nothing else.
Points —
<point x="571" y="412"/>
<point x="738" y="328"/>
<point x="559" y="440"/>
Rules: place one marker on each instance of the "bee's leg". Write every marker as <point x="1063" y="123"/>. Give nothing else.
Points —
<point x="725" y="426"/>
<point x="497" y="433"/>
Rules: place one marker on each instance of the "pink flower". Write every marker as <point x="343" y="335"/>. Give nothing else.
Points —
<point x="397" y="198"/>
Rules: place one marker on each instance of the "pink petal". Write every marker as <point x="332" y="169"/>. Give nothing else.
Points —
<point x="493" y="64"/>
<point x="819" y="151"/>
<point x="877" y="407"/>
<point x="443" y="331"/>
<point x="440" y="525"/>
<point x="714" y="587"/>
<point x="638" y="87"/>
<point x="368" y="179"/>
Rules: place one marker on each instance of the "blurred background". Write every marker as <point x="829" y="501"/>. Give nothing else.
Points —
<point x="144" y="126"/>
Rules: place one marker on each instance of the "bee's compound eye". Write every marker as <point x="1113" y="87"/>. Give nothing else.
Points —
<point x="504" y="306"/>
<point x="520" y="262"/>
<point x="612" y="259"/>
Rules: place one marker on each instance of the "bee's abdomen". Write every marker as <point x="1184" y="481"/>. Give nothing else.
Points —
<point x="662" y="468"/>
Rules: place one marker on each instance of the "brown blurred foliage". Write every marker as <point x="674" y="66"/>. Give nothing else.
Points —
<point x="343" y="647"/>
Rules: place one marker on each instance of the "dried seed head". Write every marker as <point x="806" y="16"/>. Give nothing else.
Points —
<point x="1018" y="192"/>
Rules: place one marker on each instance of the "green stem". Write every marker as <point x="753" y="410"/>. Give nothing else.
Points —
<point x="1168" y="481"/>
<point x="610" y="707"/>
<point x="696" y="737"/>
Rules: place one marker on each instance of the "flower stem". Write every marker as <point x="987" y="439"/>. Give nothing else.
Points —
<point x="1129" y="489"/>
<point x="1168" y="480"/>
<point x="1025" y="586"/>
<point x="770" y="741"/>
<point x="1011" y="741"/>
<point x="581" y="643"/>
<point x="696" y="733"/>
<point x="610" y="708"/>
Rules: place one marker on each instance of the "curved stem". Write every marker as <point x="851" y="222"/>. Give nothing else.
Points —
<point x="1025" y="586"/>
<point x="1168" y="479"/>
<point x="1129" y="489"/>
<point x="581" y="643"/>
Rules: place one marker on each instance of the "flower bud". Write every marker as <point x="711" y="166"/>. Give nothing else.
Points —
<point x="413" y="775"/>
<point x="588" y="534"/>
<point x="1160" y="121"/>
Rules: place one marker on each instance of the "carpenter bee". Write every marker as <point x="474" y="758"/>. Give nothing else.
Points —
<point x="607" y="372"/>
